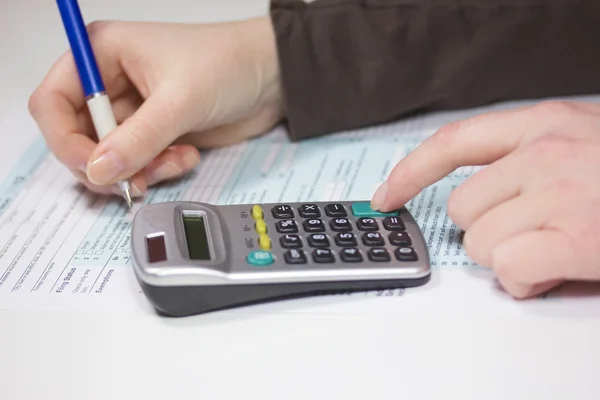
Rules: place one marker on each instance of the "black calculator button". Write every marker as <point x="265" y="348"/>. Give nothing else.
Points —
<point x="282" y="211"/>
<point x="295" y="256"/>
<point x="367" y="224"/>
<point x="335" y="210"/>
<point x="351" y="254"/>
<point x="309" y="211"/>
<point x="318" y="240"/>
<point x="393" y="224"/>
<point x="406" y="254"/>
<point x="345" y="240"/>
<point x="373" y="239"/>
<point x="340" y="225"/>
<point x="290" y="241"/>
<point x="400" y="239"/>
<point x="379" y="254"/>
<point x="287" y="226"/>
<point x="314" y="225"/>
<point x="323" y="256"/>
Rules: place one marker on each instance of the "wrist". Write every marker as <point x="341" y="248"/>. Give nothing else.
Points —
<point x="260" y="37"/>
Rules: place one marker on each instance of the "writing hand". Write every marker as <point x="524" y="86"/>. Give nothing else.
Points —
<point x="174" y="88"/>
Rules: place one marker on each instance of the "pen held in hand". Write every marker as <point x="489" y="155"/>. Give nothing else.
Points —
<point x="93" y="87"/>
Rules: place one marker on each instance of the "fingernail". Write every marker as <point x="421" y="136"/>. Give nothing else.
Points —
<point x="379" y="197"/>
<point x="191" y="159"/>
<point x="163" y="172"/>
<point x="135" y="191"/>
<point x="105" y="168"/>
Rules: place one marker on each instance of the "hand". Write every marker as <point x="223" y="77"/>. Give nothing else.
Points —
<point x="533" y="213"/>
<point x="174" y="87"/>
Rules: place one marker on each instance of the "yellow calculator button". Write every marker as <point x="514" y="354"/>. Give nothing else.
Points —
<point x="261" y="227"/>
<point x="257" y="212"/>
<point x="264" y="242"/>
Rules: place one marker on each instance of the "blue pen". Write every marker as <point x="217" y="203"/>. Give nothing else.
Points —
<point x="95" y="94"/>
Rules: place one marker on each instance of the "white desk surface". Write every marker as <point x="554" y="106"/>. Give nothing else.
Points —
<point x="269" y="356"/>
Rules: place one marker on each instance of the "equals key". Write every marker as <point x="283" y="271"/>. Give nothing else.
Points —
<point x="393" y="224"/>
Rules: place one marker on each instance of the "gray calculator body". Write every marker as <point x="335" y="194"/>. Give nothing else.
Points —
<point x="192" y="257"/>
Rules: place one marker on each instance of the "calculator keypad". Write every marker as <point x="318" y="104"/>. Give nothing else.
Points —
<point x="309" y="211"/>
<point x="295" y="256"/>
<point x="351" y="254"/>
<point x="282" y="211"/>
<point x="314" y="225"/>
<point x="318" y="240"/>
<point x="290" y="241"/>
<point x="287" y="226"/>
<point x="400" y="239"/>
<point x="379" y="254"/>
<point x="345" y="239"/>
<point x="323" y="256"/>
<point x="393" y="224"/>
<point x="367" y="224"/>
<point x="406" y="254"/>
<point x="335" y="210"/>
<point x="327" y="233"/>
<point x="373" y="239"/>
<point x="340" y="225"/>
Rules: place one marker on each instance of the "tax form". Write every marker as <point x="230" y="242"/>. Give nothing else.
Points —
<point x="62" y="247"/>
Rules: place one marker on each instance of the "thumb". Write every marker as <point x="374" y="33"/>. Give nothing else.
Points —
<point x="137" y="141"/>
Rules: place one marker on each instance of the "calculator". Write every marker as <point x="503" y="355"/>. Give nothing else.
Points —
<point x="192" y="257"/>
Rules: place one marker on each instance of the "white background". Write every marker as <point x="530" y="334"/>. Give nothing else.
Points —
<point x="266" y="353"/>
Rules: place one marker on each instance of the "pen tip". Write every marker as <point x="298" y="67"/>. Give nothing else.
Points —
<point x="128" y="199"/>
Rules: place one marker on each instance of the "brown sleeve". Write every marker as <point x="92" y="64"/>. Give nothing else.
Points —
<point x="346" y="64"/>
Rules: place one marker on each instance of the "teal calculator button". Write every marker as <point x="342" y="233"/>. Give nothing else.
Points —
<point x="260" y="258"/>
<point x="363" y="209"/>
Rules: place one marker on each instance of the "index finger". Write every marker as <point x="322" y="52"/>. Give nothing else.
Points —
<point x="476" y="141"/>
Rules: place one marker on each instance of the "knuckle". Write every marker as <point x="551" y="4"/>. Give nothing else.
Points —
<point x="447" y="134"/>
<point x="590" y="243"/>
<point x="556" y="107"/>
<point x="470" y="246"/>
<point x="477" y="247"/>
<point x="555" y="149"/>
<point x="103" y="34"/>
<point x="454" y="207"/>
<point x="99" y="27"/>
<point x="458" y="210"/>
<point x="34" y="101"/>
<point x="582" y="241"/>
<point x="559" y="186"/>
<point x="39" y="97"/>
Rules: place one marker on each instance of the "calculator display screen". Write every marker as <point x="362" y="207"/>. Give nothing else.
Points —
<point x="196" y="236"/>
